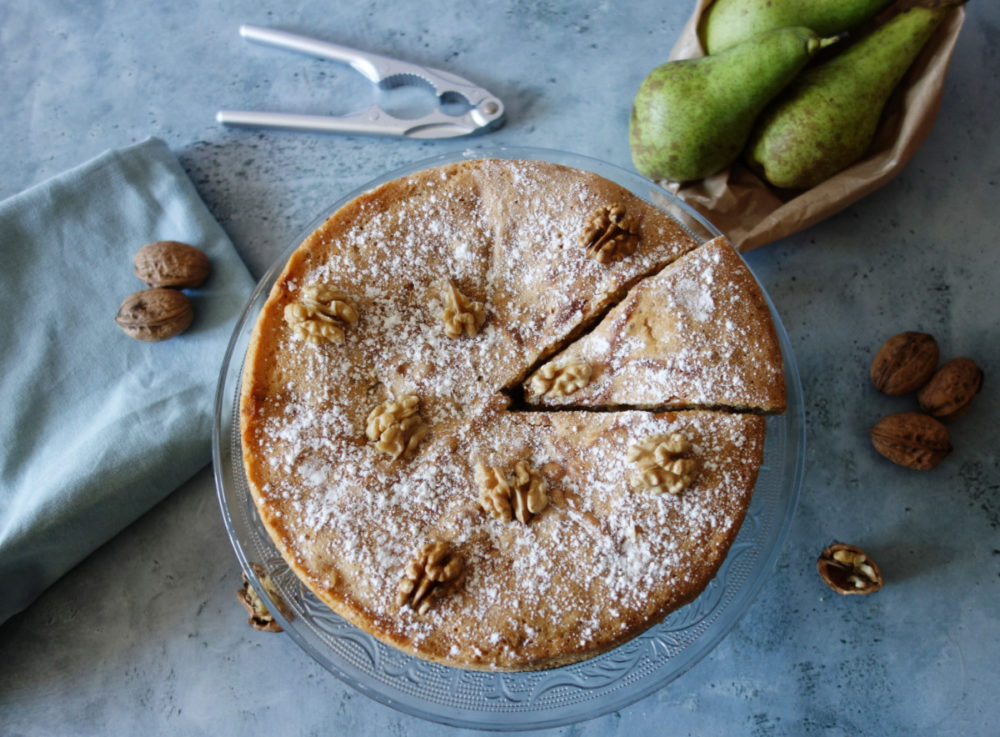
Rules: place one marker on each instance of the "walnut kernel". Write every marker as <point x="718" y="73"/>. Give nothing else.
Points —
<point x="320" y="313"/>
<point x="395" y="426"/>
<point x="609" y="234"/>
<point x="494" y="492"/>
<point x="662" y="465"/>
<point x="521" y="497"/>
<point x="530" y="492"/>
<point x="461" y="315"/>
<point x="848" y="570"/>
<point x="434" y="572"/>
<point x="560" y="379"/>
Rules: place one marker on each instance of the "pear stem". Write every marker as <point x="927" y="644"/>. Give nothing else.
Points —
<point x="815" y="44"/>
<point x="830" y="40"/>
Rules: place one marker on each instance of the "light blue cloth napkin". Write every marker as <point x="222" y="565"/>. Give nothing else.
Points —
<point x="97" y="427"/>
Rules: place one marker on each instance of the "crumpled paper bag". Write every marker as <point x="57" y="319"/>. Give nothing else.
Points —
<point x="752" y="213"/>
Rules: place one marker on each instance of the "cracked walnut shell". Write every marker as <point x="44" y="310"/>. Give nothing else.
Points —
<point x="609" y="234"/>
<point x="848" y="570"/>
<point x="662" y="465"/>
<point x="395" y="426"/>
<point x="434" y="572"/>
<point x="561" y="380"/>
<point x="461" y="315"/>
<point x="260" y="618"/>
<point x="320" y="313"/>
<point x="521" y="497"/>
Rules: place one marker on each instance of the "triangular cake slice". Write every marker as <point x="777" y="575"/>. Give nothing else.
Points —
<point x="697" y="334"/>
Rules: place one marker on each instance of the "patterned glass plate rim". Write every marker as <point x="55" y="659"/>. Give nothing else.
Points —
<point x="526" y="700"/>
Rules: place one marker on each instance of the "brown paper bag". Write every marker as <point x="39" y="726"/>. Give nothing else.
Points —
<point x="752" y="213"/>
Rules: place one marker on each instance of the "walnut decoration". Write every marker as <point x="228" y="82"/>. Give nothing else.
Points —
<point x="461" y="315"/>
<point x="609" y="234"/>
<point x="395" y="426"/>
<point x="848" y="570"/>
<point x="320" y="313"/>
<point x="662" y="467"/>
<point x="522" y="496"/>
<point x="260" y="617"/>
<point x="561" y="379"/>
<point x="530" y="492"/>
<point x="494" y="492"/>
<point x="434" y="572"/>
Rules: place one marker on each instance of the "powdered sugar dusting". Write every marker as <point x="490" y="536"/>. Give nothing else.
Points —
<point x="698" y="333"/>
<point x="350" y="518"/>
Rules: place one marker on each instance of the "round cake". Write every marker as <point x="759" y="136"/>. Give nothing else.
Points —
<point x="504" y="414"/>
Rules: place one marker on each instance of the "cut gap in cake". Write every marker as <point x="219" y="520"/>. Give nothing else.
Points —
<point x="698" y="333"/>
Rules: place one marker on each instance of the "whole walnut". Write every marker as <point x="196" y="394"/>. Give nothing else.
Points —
<point x="155" y="314"/>
<point x="911" y="439"/>
<point x="904" y="363"/>
<point x="171" y="264"/>
<point x="949" y="393"/>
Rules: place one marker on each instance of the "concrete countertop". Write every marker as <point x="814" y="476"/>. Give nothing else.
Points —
<point x="146" y="634"/>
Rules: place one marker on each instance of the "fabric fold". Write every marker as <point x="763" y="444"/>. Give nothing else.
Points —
<point x="98" y="427"/>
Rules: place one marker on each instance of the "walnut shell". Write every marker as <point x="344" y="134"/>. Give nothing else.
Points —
<point x="904" y="363"/>
<point x="848" y="570"/>
<point x="155" y="314"/>
<point x="171" y="264"/>
<point x="260" y="618"/>
<point x="949" y="393"/>
<point x="911" y="439"/>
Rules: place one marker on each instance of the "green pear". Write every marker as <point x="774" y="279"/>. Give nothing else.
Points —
<point x="826" y="119"/>
<point x="692" y="118"/>
<point x="728" y="22"/>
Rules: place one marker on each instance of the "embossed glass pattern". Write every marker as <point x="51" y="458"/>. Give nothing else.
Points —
<point x="512" y="701"/>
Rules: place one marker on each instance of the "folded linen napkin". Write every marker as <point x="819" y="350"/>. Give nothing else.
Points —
<point x="97" y="427"/>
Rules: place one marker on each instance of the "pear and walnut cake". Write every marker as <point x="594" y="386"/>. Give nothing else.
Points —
<point x="399" y="474"/>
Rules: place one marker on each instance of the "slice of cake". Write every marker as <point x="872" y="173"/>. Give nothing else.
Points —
<point x="696" y="334"/>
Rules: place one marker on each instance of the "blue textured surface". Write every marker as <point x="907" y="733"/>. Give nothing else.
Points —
<point x="146" y="635"/>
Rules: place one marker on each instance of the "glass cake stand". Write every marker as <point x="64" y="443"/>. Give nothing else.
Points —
<point x="524" y="700"/>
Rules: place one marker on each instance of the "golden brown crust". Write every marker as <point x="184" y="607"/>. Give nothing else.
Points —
<point x="348" y="518"/>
